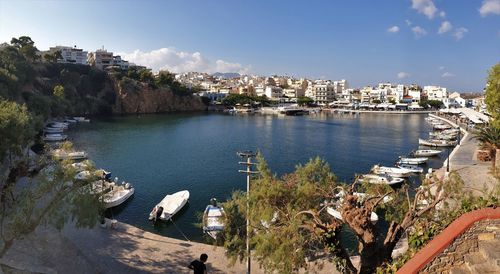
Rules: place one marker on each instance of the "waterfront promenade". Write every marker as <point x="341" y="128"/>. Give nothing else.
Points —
<point x="122" y="249"/>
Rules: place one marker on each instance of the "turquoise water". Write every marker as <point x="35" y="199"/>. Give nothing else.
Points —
<point x="165" y="153"/>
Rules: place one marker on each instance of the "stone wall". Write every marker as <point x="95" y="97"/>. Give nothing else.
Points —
<point x="467" y="242"/>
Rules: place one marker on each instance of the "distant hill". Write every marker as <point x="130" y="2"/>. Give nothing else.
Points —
<point x="226" y="75"/>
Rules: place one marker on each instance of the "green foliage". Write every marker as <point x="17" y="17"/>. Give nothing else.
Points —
<point x="376" y="101"/>
<point x="59" y="92"/>
<point x="435" y="104"/>
<point x="16" y="128"/>
<point x="492" y="95"/>
<point x="304" y="101"/>
<point x="52" y="57"/>
<point x="233" y="99"/>
<point x="392" y="101"/>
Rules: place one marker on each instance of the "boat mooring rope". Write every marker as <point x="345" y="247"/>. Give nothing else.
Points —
<point x="179" y="230"/>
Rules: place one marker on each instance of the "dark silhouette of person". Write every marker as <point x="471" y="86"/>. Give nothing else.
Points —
<point x="199" y="266"/>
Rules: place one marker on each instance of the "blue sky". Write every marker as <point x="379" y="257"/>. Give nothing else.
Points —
<point x="319" y="39"/>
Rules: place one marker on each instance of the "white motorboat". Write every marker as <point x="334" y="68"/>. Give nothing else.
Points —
<point x="54" y="137"/>
<point x="412" y="168"/>
<point x="117" y="194"/>
<point x="81" y="119"/>
<point x="337" y="215"/>
<point x="444" y="132"/>
<point x="441" y="126"/>
<point x="413" y="161"/>
<point x="213" y="219"/>
<point x="170" y="205"/>
<point x="361" y="195"/>
<point x="426" y="152"/>
<point x="69" y="120"/>
<point x="53" y="130"/>
<point x="391" y="171"/>
<point x="75" y="155"/>
<point x="436" y="143"/>
<point x="381" y="179"/>
<point x="58" y="125"/>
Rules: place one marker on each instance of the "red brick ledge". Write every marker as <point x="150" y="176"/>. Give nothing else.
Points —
<point x="446" y="237"/>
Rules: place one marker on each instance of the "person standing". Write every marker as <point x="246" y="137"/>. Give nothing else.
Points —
<point x="199" y="266"/>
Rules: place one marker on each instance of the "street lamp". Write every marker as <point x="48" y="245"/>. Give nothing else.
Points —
<point x="248" y="155"/>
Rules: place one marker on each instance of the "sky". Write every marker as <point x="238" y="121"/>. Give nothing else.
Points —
<point x="451" y="43"/>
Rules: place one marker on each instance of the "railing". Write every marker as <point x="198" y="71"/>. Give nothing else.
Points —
<point x="446" y="237"/>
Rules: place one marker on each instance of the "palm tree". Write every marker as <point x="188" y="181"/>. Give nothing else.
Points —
<point x="489" y="136"/>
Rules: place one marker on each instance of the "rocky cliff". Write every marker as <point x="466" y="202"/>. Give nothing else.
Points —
<point x="137" y="97"/>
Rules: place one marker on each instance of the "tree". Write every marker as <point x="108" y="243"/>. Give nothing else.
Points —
<point x="26" y="46"/>
<point x="16" y="128"/>
<point x="59" y="92"/>
<point x="53" y="56"/>
<point x="304" y="101"/>
<point x="53" y="197"/>
<point x="164" y="78"/>
<point x="376" y="101"/>
<point x="290" y="224"/>
<point x="492" y="94"/>
<point x="435" y="104"/>
<point x="392" y="101"/>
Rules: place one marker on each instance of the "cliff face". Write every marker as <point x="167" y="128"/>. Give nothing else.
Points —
<point x="136" y="97"/>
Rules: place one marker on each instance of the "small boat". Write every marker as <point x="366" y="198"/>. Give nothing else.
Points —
<point x="412" y="168"/>
<point x="444" y="132"/>
<point x="436" y="143"/>
<point x="53" y="130"/>
<point x="58" y="125"/>
<point x="361" y="195"/>
<point x="413" y="161"/>
<point x="81" y="119"/>
<point x="117" y="194"/>
<point x="391" y="171"/>
<point x="54" y="137"/>
<point x="381" y="179"/>
<point x="426" y="152"/>
<point x="75" y="155"/>
<point x="170" y="205"/>
<point x="441" y="126"/>
<point x="337" y="215"/>
<point x="70" y="121"/>
<point x="213" y="219"/>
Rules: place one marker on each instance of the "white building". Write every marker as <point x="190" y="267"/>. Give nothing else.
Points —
<point x="273" y="92"/>
<point x="70" y="55"/>
<point x="435" y="93"/>
<point x="322" y="92"/>
<point x="119" y="62"/>
<point x="100" y="59"/>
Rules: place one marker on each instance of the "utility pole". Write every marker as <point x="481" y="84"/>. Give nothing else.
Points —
<point x="248" y="155"/>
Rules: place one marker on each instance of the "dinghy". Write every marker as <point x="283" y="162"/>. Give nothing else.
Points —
<point x="442" y="126"/>
<point x="213" y="219"/>
<point x="412" y="168"/>
<point x="54" y="137"/>
<point x="426" y="152"/>
<point x="117" y="194"/>
<point x="337" y="215"/>
<point x="170" y="205"/>
<point x="436" y="143"/>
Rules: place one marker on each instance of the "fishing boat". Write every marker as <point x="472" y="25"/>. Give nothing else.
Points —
<point x="55" y="137"/>
<point x="169" y="206"/>
<point x="412" y="168"/>
<point x="81" y="119"/>
<point x="436" y="143"/>
<point x="381" y="179"/>
<point x="337" y="215"/>
<point x="413" y="161"/>
<point x="391" y="171"/>
<point x="213" y="219"/>
<point x="426" y="152"/>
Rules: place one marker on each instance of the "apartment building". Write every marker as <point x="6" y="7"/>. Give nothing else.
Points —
<point x="70" y="55"/>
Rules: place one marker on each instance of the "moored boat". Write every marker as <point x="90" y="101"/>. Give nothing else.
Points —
<point x="436" y="143"/>
<point x="75" y="155"/>
<point x="426" y="152"/>
<point x="391" y="171"/>
<point x="55" y="137"/>
<point x="336" y="214"/>
<point x="213" y="219"/>
<point x="413" y="161"/>
<point x="441" y="126"/>
<point x="53" y="130"/>
<point x="169" y="206"/>
<point x="412" y="168"/>
<point x="117" y="194"/>
<point x="381" y="179"/>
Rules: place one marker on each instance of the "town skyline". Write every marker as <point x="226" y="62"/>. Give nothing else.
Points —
<point x="424" y="42"/>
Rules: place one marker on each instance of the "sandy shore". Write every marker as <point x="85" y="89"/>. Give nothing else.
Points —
<point x="122" y="249"/>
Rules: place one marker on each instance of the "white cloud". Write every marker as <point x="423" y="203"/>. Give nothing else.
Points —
<point x="393" y="29"/>
<point x="402" y="75"/>
<point x="441" y="68"/>
<point x="445" y="27"/>
<point x="447" y="75"/>
<point x="460" y="33"/>
<point x="425" y="7"/>
<point x="442" y="14"/>
<point x="181" y="61"/>
<point x="418" y="31"/>
<point x="490" y="7"/>
<point x="408" y="22"/>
